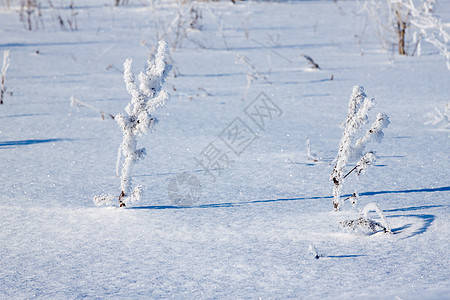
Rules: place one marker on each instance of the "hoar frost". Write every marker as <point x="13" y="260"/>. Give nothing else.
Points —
<point x="138" y="120"/>
<point x="366" y="225"/>
<point x="5" y="67"/>
<point x="352" y="149"/>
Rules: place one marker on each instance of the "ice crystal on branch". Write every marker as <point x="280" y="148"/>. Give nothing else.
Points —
<point x="365" y="224"/>
<point x="374" y="134"/>
<point x="364" y="162"/>
<point x="404" y="24"/>
<point x="429" y="28"/>
<point x="349" y="149"/>
<point x="145" y="99"/>
<point x="5" y="67"/>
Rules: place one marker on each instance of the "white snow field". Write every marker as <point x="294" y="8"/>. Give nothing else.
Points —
<point x="246" y="235"/>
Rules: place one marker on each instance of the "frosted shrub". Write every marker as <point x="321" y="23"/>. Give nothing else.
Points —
<point x="195" y="16"/>
<point x="5" y="67"/>
<point x="351" y="148"/>
<point x="403" y="24"/>
<point x="252" y="72"/>
<point x="32" y="17"/>
<point x="66" y="20"/>
<point x="187" y="19"/>
<point x="366" y="225"/>
<point x="145" y="99"/>
<point x="120" y="2"/>
<point x="392" y="21"/>
<point x="30" y="14"/>
<point x="429" y="28"/>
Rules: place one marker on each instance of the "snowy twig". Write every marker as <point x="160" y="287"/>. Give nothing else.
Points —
<point x="311" y="61"/>
<point x="146" y="98"/>
<point x="311" y="156"/>
<point x="3" y="74"/>
<point x="359" y="106"/>
<point x="314" y="251"/>
<point x="74" y="102"/>
<point x="186" y="18"/>
<point x="273" y="50"/>
<point x="364" y="222"/>
<point x="374" y="207"/>
<point x="363" y="163"/>
<point x="374" y="134"/>
<point x="252" y="72"/>
<point x="353" y="199"/>
<point x="429" y="27"/>
<point x="32" y="9"/>
<point x="400" y="22"/>
<point x="219" y="23"/>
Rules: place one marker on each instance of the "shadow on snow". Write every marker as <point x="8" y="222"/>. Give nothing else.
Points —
<point x="426" y="220"/>
<point x="30" y="142"/>
<point x="237" y="204"/>
<point x="344" y="256"/>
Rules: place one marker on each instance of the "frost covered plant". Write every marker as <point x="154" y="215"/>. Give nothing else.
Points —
<point x="145" y="99"/>
<point x="30" y="10"/>
<point x="220" y="25"/>
<point x="351" y="148"/>
<point x="3" y="74"/>
<point x="252" y="72"/>
<point x="312" y="64"/>
<point x="187" y="19"/>
<point x="65" y="23"/>
<point x="403" y="24"/>
<point x="311" y="156"/>
<point x="314" y="252"/>
<point x="391" y="20"/>
<point x="195" y="16"/>
<point x="429" y="28"/>
<point x="74" y="102"/>
<point x="120" y="2"/>
<point x="7" y="4"/>
<point x="366" y="225"/>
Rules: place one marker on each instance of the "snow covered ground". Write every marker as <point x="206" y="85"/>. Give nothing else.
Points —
<point x="248" y="232"/>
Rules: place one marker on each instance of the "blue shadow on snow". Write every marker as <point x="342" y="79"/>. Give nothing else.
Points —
<point x="344" y="256"/>
<point x="237" y="204"/>
<point x="30" y="142"/>
<point x="426" y="222"/>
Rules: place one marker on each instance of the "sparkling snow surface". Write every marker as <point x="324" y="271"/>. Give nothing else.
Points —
<point x="247" y="234"/>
